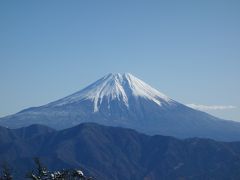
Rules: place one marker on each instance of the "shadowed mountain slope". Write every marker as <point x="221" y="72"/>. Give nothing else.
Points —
<point x="111" y="153"/>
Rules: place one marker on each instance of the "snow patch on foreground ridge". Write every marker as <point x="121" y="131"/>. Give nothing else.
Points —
<point x="115" y="87"/>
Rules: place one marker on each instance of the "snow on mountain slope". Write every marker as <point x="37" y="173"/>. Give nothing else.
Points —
<point x="115" y="86"/>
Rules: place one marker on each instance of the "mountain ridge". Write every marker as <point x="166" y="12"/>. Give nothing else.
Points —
<point x="115" y="153"/>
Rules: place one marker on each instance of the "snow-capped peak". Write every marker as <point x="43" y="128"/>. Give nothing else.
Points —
<point x="140" y="88"/>
<point x="115" y="86"/>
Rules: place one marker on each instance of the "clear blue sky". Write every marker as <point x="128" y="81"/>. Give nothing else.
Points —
<point x="189" y="50"/>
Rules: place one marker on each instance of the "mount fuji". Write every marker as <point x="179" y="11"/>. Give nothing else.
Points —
<point x="126" y="101"/>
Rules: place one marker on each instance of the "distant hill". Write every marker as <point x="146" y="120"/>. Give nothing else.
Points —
<point x="111" y="153"/>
